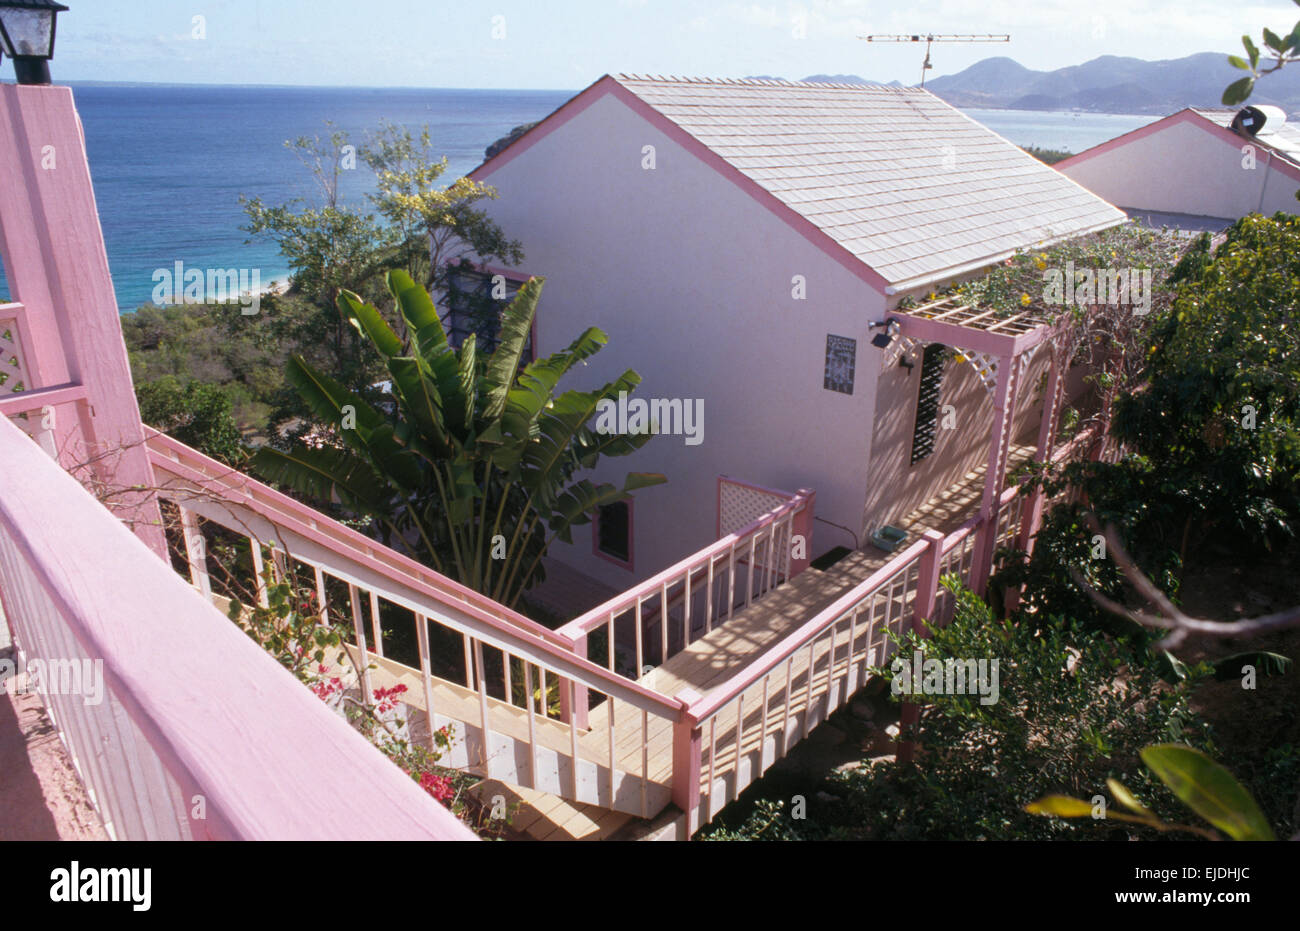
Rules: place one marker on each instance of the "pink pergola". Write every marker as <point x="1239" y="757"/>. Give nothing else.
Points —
<point x="999" y="347"/>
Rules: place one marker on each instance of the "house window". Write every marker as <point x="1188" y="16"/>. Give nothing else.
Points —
<point x="926" y="429"/>
<point x="474" y="305"/>
<point x="612" y="536"/>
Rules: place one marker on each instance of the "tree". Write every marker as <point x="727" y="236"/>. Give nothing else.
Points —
<point x="473" y="464"/>
<point x="1284" y="49"/>
<point x="197" y="414"/>
<point x="437" y="225"/>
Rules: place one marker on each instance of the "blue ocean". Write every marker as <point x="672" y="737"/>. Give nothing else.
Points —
<point x="170" y="162"/>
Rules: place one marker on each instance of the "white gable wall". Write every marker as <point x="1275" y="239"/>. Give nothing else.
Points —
<point x="1182" y="168"/>
<point x="691" y="279"/>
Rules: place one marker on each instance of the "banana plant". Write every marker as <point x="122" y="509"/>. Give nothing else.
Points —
<point x="476" y="466"/>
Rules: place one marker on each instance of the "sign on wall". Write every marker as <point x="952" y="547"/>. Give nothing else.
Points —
<point x="841" y="356"/>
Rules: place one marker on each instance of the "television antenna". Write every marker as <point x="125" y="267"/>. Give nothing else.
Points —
<point x="930" y="38"/>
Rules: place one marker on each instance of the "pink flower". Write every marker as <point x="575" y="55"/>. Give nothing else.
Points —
<point x="439" y="787"/>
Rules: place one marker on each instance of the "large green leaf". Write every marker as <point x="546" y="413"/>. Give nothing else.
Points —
<point x="516" y="326"/>
<point x="1209" y="790"/>
<point x="1062" y="806"/>
<point x="579" y="502"/>
<point x="369" y="323"/>
<point x="327" y="473"/>
<point x="372" y="436"/>
<point x="418" y="311"/>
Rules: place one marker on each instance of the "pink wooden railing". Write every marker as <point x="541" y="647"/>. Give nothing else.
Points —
<point x="727" y="739"/>
<point x="661" y="616"/>
<point x="198" y="733"/>
<point x="509" y="667"/>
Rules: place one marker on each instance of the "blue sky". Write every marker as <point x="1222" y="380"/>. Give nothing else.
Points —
<point x="569" y="43"/>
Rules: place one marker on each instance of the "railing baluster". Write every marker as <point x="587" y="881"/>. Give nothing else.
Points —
<point x="532" y="724"/>
<point x="663" y="624"/>
<point x="320" y="596"/>
<point x="686" y="611"/>
<point x="259" y="568"/>
<point x="753" y="553"/>
<point x="645" y="763"/>
<point x="789" y="700"/>
<point x="708" y="605"/>
<point x="731" y="580"/>
<point x="358" y="630"/>
<point x="195" y="552"/>
<point x="640" y="657"/>
<point x="483" y="705"/>
<point x="807" y="694"/>
<point x="375" y="627"/>
<point x="613" y="759"/>
<point x="762" y="727"/>
<point x="573" y="734"/>
<point x="426" y="672"/>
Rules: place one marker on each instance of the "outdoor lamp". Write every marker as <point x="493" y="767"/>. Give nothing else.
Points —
<point x="881" y="340"/>
<point x="27" y="36"/>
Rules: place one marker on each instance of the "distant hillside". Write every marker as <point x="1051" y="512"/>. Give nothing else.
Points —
<point x="1109" y="84"/>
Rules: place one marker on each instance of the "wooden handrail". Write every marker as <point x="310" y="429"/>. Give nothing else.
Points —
<point x="598" y="615"/>
<point x="521" y="634"/>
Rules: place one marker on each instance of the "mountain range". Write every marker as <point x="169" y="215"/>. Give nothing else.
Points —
<point x="1109" y="84"/>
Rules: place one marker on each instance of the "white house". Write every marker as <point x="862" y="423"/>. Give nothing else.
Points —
<point x="736" y="239"/>
<point x="1195" y="164"/>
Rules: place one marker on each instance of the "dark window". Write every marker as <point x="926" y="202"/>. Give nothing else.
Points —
<point x="614" y="531"/>
<point x="473" y="308"/>
<point x="927" y="402"/>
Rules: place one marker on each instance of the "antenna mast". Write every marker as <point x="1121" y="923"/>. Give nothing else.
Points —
<point x="931" y="38"/>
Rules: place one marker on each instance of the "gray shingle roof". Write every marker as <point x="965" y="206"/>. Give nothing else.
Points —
<point x="906" y="183"/>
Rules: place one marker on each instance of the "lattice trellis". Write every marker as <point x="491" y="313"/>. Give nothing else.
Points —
<point x="740" y="505"/>
<point x="985" y="366"/>
<point x="13" y="372"/>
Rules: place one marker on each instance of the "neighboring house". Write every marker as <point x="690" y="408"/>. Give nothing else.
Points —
<point x="736" y="240"/>
<point x="1195" y="166"/>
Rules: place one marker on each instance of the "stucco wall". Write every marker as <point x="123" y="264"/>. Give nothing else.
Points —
<point x="1183" y="168"/>
<point x="691" y="279"/>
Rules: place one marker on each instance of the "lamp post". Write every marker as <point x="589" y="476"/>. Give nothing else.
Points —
<point x="27" y="36"/>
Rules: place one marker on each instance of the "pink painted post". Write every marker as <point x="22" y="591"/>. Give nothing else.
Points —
<point x="687" y="758"/>
<point x="58" y="269"/>
<point x="802" y="526"/>
<point x="1004" y="406"/>
<point x="1032" y="518"/>
<point x="927" y="595"/>
<point x="578" y="715"/>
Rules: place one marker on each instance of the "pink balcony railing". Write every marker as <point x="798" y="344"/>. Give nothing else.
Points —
<point x="179" y="725"/>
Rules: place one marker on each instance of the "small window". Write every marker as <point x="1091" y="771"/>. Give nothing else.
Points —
<point x="925" y="432"/>
<point x="473" y="308"/>
<point x="613" y="532"/>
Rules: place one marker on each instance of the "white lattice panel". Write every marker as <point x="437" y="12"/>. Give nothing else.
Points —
<point x="985" y="366"/>
<point x="740" y="505"/>
<point x="13" y="373"/>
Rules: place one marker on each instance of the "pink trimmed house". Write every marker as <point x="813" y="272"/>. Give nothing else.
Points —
<point x="737" y="240"/>
<point x="1197" y="164"/>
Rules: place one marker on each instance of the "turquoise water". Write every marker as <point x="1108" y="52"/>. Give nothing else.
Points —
<point x="170" y="162"/>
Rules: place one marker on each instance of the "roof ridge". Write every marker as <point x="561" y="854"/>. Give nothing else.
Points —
<point x="763" y="82"/>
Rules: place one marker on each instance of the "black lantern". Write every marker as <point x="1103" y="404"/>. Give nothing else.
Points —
<point x="27" y="36"/>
